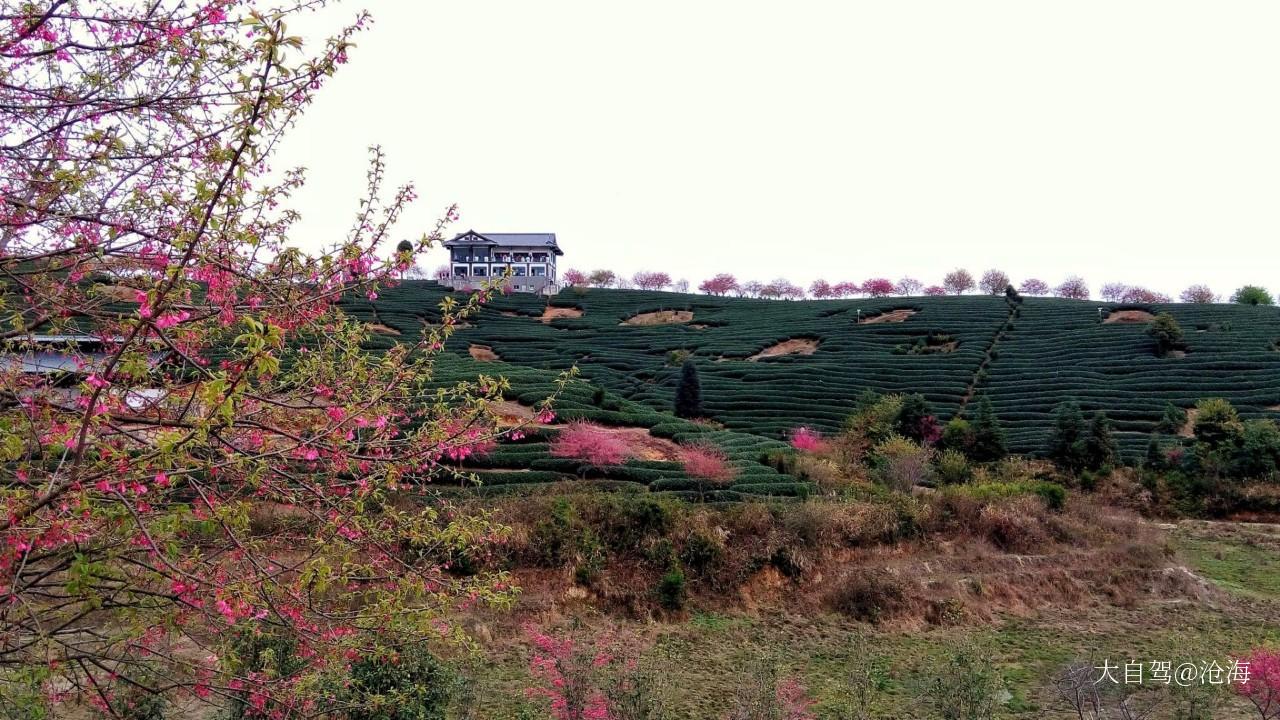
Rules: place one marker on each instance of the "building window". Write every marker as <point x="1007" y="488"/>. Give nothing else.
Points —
<point x="478" y="271"/>
<point x="521" y="271"/>
<point x="538" y="271"/>
<point x="459" y="270"/>
<point x="539" y="257"/>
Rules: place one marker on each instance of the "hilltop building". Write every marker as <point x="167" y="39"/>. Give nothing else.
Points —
<point x="475" y="257"/>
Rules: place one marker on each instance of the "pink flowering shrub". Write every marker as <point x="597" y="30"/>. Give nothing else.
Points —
<point x="591" y="677"/>
<point x="1262" y="688"/>
<point x="593" y="443"/>
<point x="806" y="439"/>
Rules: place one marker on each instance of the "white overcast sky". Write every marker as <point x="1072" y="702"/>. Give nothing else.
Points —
<point x="1122" y="140"/>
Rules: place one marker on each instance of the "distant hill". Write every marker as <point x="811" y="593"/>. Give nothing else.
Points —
<point x="1028" y="357"/>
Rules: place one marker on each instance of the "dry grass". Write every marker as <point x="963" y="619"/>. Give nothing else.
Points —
<point x="1128" y="316"/>
<point x="893" y="316"/>
<point x="483" y="353"/>
<point x="660" y="317"/>
<point x="551" y="313"/>
<point x="794" y="346"/>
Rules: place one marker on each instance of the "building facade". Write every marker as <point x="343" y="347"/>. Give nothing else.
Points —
<point x="475" y="258"/>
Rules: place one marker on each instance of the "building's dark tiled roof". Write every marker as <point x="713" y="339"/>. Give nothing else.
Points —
<point x="508" y="240"/>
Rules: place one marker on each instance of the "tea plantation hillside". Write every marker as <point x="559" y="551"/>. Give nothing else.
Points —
<point x="1029" y="357"/>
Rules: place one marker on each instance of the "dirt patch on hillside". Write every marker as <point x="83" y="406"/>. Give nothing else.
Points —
<point x="893" y="316"/>
<point x="483" y="353"/>
<point x="382" y="329"/>
<point x="794" y="346"/>
<point x="1128" y="316"/>
<point x="1188" y="428"/>
<point x="1274" y="408"/>
<point x="552" y="312"/>
<point x="1177" y="354"/>
<point x="660" y="317"/>
<point x="511" y="413"/>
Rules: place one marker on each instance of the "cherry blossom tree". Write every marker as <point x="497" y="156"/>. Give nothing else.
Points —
<point x="994" y="282"/>
<point x="1262" y="688"/>
<point x="443" y="273"/>
<point x="262" y="487"/>
<point x="575" y="278"/>
<point x="721" y="284"/>
<point x="602" y="278"/>
<point x="646" y="280"/>
<point x="845" y="289"/>
<point x="680" y="286"/>
<point x="1074" y="288"/>
<point x="935" y="291"/>
<point x="1200" y="295"/>
<point x="820" y="289"/>
<point x="1135" y="294"/>
<point x="878" y="287"/>
<point x="909" y="286"/>
<point x="1114" y="291"/>
<point x="806" y="439"/>
<point x="958" y="282"/>
<point x="707" y="464"/>
<point x="590" y="442"/>
<point x="753" y="288"/>
<point x="782" y="289"/>
<point x="1034" y="287"/>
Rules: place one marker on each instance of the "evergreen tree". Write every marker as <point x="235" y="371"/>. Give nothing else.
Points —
<point x="689" y="392"/>
<point x="1100" y="446"/>
<point x="1067" y="439"/>
<point x="1164" y="329"/>
<point x="988" y="435"/>
<point x="1173" y="420"/>
<point x="916" y="420"/>
<point x="1155" y="458"/>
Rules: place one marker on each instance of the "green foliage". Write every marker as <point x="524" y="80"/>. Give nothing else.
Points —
<point x="671" y="589"/>
<point x="915" y="418"/>
<point x="876" y="418"/>
<point x="1217" y="422"/>
<point x="688" y="403"/>
<point x="1252" y="295"/>
<point x="957" y="436"/>
<point x="1100" y="448"/>
<point x="407" y="683"/>
<point x="951" y="467"/>
<point x="1258" y="455"/>
<point x="1172" y="420"/>
<point x="1164" y="329"/>
<point x="1067" y="442"/>
<point x="988" y="435"/>
<point x="964" y="687"/>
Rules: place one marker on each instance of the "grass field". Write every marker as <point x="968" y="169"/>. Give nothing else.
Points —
<point x="703" y="657"/>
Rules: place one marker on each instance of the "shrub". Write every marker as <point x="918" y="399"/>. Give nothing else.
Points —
<point x="951" y="467"/>
<point x="901" y="464"/>
<point x="688" y="402"/>
<point x="1012" y="526"/>
<point x="1172" y="420"/>
<point x="1259" y="453"/>
<point x="1262" y="689"/>
<point x="671" y="589"/>
<point x="965" y="687"/>
<point x="958" y="436"/>
<point x="1164" y="329"/>
<point x="1252" y="295"/>
<point x="1217" y="422"/>
<point x="868" y="595"/>
<point x="707" y="464"/>
<point x="916" y="420"/>
<point x="407" y="683"/>
<point x="592" y="443"/>
<point x="806" y="439"/>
